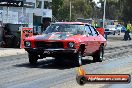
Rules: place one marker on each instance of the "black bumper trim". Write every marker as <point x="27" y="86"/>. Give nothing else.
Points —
<point x="50" y="51"/>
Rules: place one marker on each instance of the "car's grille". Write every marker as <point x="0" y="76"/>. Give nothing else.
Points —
<point x="49" y="45"/>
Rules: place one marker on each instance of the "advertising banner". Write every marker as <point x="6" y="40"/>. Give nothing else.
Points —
<point x="11" y="3"/>
<point x="83" y="78"/>
<point x="25" y="32"/>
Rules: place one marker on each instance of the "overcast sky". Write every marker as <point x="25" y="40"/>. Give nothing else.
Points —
<point x="96" y="1"/>
<point x="99" y="5"/>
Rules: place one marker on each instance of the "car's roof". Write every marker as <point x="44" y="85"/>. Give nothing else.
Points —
<point x="70" y="23"/>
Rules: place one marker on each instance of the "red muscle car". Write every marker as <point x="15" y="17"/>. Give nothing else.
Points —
<point x="69" y="40"/>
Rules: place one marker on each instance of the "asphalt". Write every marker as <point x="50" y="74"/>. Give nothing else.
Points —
<point x="16" y="72"/>
<point x="11" y="51"/>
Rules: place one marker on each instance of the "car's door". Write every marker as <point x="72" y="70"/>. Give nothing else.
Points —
<point x="89" y="40"/>
<point x="96" y="39"/>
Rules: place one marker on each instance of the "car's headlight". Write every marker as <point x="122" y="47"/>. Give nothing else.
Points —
<point x="27" y="44"/>
<point x="70" y="45"/>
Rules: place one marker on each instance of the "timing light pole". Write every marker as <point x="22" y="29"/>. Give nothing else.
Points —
<point x="70" y="10"/>
<point x="104" y="13"/>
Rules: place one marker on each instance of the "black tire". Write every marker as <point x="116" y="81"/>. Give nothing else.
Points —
<point x="32" y="58"/>
<point x="57" y="60"/>
<point x="98" y="56"/>
<point x="78" y="59"/>
<point x="119" y="33"/>
<point x="114" y="33"/>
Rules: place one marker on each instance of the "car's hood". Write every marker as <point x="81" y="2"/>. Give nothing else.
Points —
<point x="119" y="28"/>
<point x="54" y="36"/>
<point x="111" y="28"/>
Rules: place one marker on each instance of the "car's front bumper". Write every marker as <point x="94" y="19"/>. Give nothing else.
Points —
<point x="51" y="52"/>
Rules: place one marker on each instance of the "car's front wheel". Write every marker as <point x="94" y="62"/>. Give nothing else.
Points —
<point x="32" y="58"/>
<point x="59" y="59"/>
<point x="98" y="56"/>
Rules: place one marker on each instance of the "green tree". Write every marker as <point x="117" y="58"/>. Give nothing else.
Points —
<point x="81" y="9"/>
<point x="118" y="9"/>
<point x="112" y="9"/>
<point x="127" y="11"/>
<point x="64" y="12"/>
<point x="56" y="6"/>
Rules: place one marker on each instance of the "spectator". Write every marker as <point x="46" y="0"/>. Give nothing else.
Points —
<point x="46" y="23"/>
<point x="127" y="32"/>
<point x="6" y="31"/>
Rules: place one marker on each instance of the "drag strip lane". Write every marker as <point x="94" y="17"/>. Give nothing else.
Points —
<point x="15" y="71"/>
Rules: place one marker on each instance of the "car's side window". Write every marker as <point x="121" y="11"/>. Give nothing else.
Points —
<point x="88" y="31"/>
<point x="94" y="32"/>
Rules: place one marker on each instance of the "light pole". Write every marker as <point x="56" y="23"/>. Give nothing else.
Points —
<point x="104" y="13"/>
<point x="70" y="10"/>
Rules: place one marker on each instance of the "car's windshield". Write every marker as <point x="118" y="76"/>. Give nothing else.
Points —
<point x="71" y="28"/>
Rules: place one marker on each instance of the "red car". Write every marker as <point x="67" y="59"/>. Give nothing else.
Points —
<point x="66" y="40"/>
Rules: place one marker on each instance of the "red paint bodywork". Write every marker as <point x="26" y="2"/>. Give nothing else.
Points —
<point x="92" y="43"/>
<point x="101" y="31"/>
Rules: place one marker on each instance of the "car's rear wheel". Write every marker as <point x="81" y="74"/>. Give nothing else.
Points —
<point x="98" y="56"/>
<point x="32" y="58"/>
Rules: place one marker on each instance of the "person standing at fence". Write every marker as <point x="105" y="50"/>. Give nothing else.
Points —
<point x="127" y="32"/>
